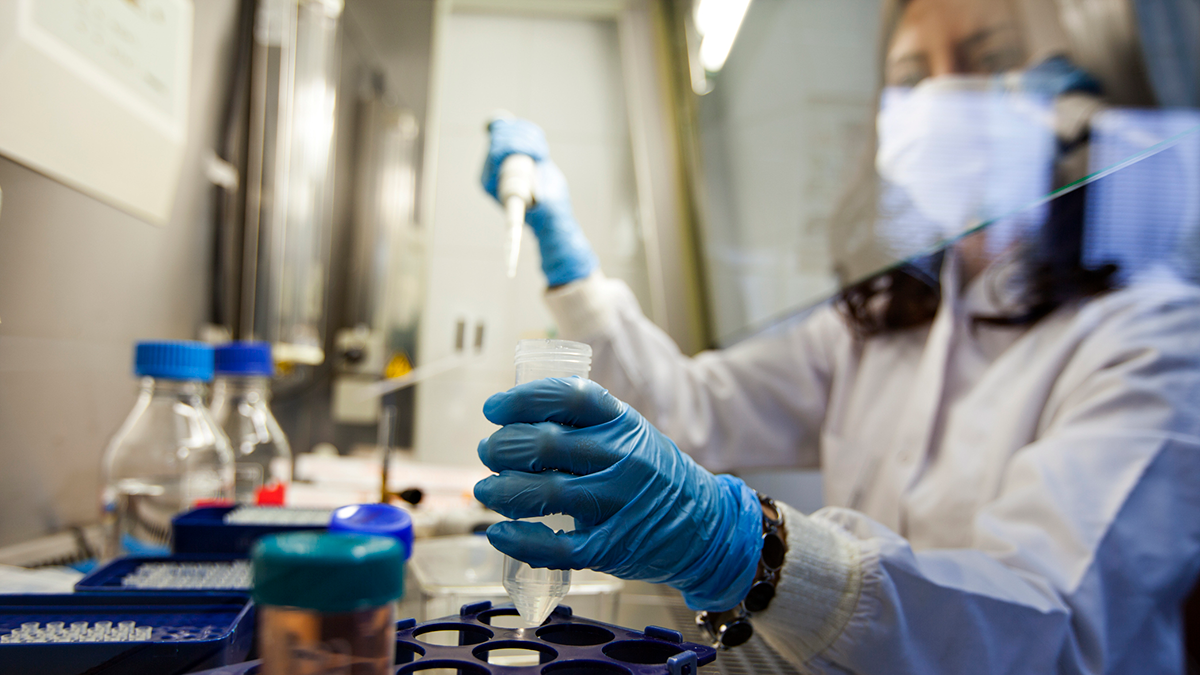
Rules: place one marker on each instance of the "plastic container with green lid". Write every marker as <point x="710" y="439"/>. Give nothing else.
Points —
<point x="325" y="602"/>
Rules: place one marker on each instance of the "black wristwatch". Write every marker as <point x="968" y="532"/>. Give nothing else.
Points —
<point x="732" y="627"/>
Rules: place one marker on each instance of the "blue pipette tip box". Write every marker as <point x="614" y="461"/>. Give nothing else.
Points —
<point x="110" y="577"/>
<point x="188" y="633"/>
<point x="204" y="530"/>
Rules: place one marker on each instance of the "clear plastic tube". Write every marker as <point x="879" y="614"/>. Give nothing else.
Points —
<point x="536" y="592"/>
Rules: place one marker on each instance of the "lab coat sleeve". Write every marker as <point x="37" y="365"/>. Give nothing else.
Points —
<point x="1079" y="564"/>
<point x="760" y="403"/>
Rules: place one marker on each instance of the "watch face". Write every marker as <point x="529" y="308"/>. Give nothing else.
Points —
<point x="736" y="633"/>
<point x="772" y="551"/>
<point x="759" y="596"/>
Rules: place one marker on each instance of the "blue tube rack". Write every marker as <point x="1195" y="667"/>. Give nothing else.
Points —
<point x="166" y="653"/>
<point x="565" y="645"/>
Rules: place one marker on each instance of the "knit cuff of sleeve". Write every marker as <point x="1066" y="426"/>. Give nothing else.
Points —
<point x="819" y="587"/>
<point x="582" y="308"/>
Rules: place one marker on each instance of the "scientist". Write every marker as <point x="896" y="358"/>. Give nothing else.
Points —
<point x="1010" y="452"/>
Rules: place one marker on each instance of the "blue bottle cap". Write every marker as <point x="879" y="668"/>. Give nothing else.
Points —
<point x="327" y="572"/>
<point x="381" y="519"/>
<point x="173" y="360"/>
<point x="244" y="358"/>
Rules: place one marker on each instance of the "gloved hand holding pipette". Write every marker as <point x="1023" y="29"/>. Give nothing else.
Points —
<point x="643" y="509"/>
<point x="566" y="254"/>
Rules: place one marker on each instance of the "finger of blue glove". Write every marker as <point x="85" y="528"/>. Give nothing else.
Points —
<point x="572" y="401"/>
<point x="510" y="136"/>
<point x="516" y="494"/>
<point x="547" y="446"/>
<point x="538" y="545"/>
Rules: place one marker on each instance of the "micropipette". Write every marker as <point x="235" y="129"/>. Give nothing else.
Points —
<point x="515" y="190"/>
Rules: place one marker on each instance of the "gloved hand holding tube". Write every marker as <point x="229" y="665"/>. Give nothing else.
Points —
<point x="566" y="254"/>
<point x="643" y="509"/>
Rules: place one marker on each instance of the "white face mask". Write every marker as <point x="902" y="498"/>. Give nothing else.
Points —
<point x="955" y="152"/>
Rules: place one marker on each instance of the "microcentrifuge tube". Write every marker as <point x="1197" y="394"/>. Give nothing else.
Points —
<point x="535" y="592"/>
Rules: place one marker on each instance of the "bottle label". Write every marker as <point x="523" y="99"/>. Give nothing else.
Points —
<point x="249" y="477"/>
<point x="204" y="486"/>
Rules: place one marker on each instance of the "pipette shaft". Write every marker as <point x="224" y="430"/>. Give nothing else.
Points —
<point x="515" y="189"/>
<point x="514" y="210"/>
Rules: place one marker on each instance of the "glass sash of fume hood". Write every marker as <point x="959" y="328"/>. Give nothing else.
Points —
<point x="820" y="182"/>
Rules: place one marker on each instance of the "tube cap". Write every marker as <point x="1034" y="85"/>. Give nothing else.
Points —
<point x="173" y="360"/>
<point x="554" y="350"/>
<point x="244" y="358"/>
<point x="327" y="572"/>
<point x="382" y="519"/>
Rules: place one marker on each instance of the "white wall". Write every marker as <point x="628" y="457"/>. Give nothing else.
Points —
<point x="564" y="74"/>
<point x="80" y="282"/>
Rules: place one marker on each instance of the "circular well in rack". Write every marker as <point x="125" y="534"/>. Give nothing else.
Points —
<point x="444" y="665"/>
<point x="505" y="617"/>
<point x="452" y="634"/>
<point x="575" y="634"/>
<point x="641" y="651"/>
<point x="514" y="653"/>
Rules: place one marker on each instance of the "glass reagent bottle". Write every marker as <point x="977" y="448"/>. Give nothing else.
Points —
<point x="168" y="455"/>
<point x="240" y="405"/>
<point x="536" y="591"/>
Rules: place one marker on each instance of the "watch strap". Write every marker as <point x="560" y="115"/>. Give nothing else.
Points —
<point x="732" y="627"/>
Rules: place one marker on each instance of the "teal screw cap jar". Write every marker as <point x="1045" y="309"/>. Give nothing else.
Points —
<point x="328" y="572"/>
<point x="326" y="599"/>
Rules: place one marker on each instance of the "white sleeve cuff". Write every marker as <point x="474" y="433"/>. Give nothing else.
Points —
<point x="582" y="308"/>
<point x="818" y="590"/>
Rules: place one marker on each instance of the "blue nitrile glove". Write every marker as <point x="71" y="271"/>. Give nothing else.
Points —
<point x="642" y="509"/>
<point x="566" y="254"/>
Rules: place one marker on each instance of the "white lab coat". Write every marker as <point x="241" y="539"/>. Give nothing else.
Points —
<point x="1001" y="500"/>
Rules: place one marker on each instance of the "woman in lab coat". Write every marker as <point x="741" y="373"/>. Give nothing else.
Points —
<point x="1011" y="464"/>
